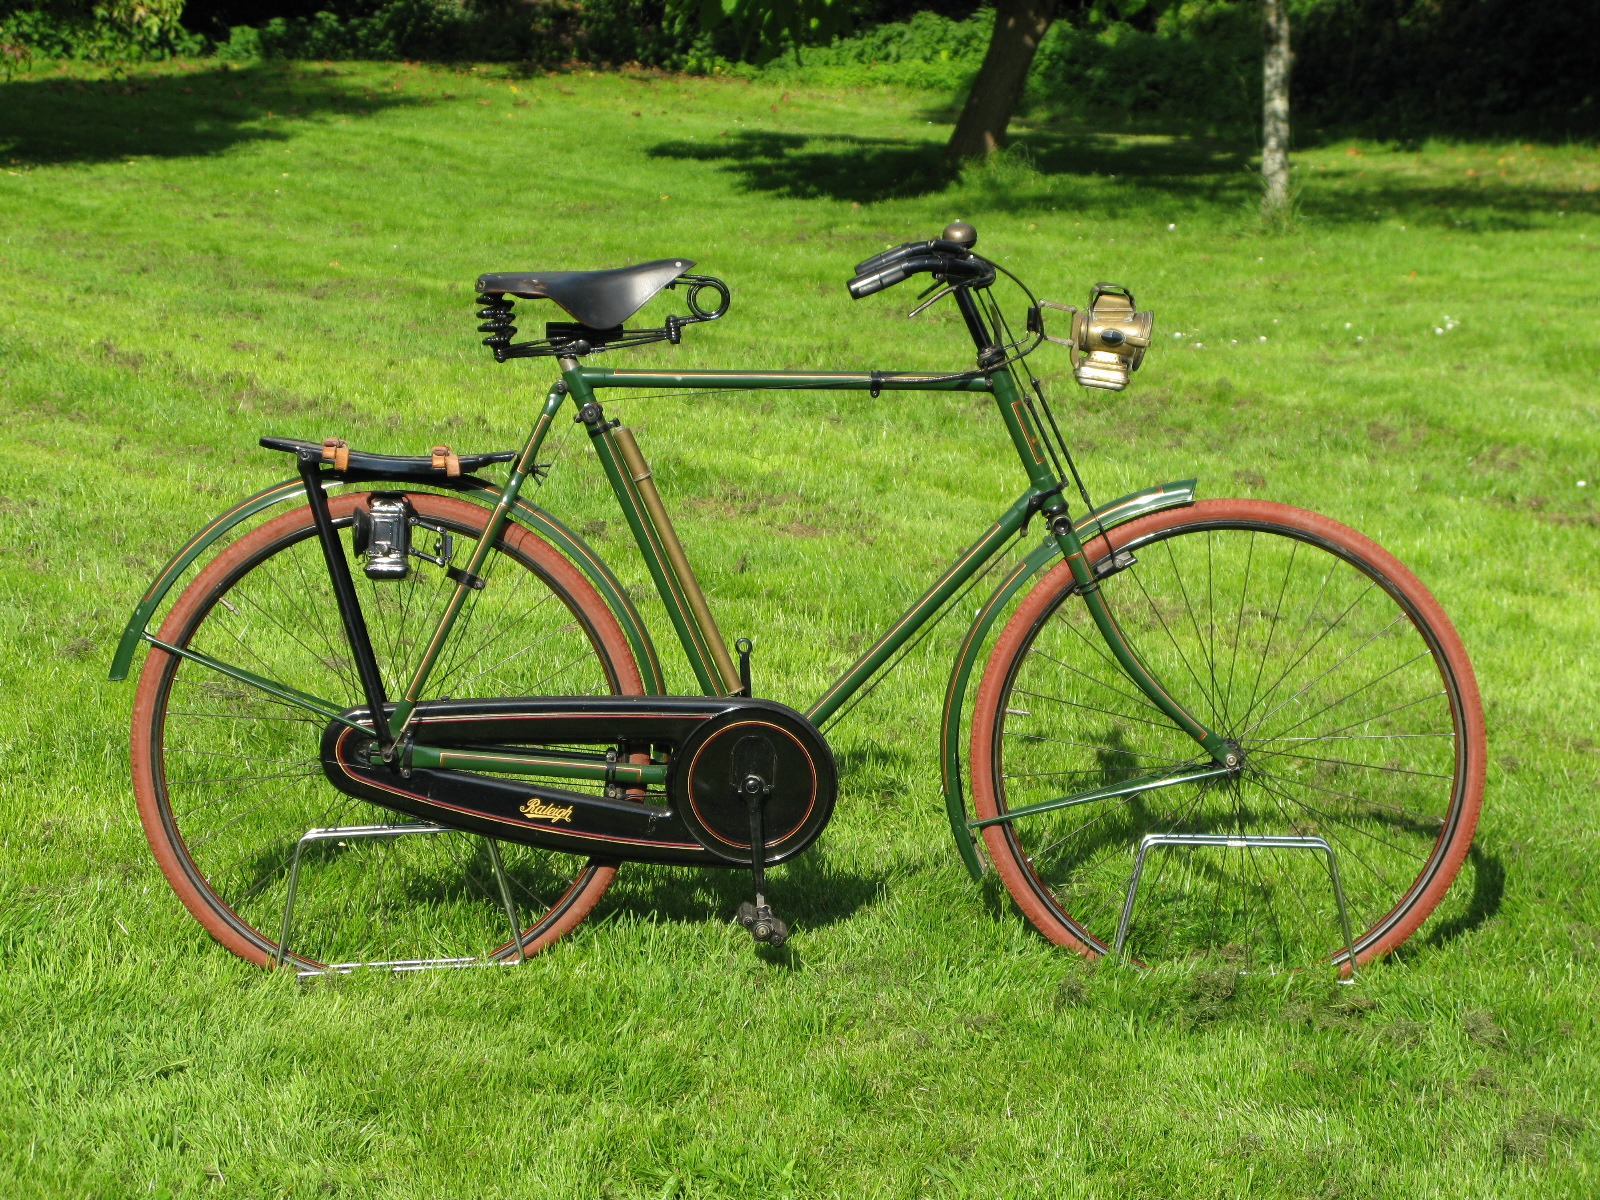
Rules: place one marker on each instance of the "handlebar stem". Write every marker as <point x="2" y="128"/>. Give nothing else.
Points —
<point x="969" y="313"/>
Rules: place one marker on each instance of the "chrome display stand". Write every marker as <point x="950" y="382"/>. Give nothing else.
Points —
<point x="355" y="832"/>
<point x="1264" y="841"/>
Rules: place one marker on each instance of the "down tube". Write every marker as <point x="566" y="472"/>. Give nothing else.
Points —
<point x="932" y="600"/>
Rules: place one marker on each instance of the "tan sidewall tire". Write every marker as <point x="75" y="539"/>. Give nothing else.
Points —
<point x="166" y="841"/>
<point x="1027" y="889"/>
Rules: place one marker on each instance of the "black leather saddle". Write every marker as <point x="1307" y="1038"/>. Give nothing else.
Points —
<point x="598" y="299"/>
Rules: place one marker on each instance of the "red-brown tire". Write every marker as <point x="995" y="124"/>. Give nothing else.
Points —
<point x="225" y="842"/>
<point x="1370" y="738"/>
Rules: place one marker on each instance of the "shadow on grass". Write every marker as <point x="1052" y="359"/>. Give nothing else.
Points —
<point x="808" y="892"/>
<point x="804" y="166"/>
<point x="1488" y="891"/>
<point x="1104" y="174"/>
<point x="52" y="120"/>
<point x="867" y="169"/>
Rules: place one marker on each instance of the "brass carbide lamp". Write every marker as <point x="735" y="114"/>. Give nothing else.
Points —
<point x="1108" y="338"/>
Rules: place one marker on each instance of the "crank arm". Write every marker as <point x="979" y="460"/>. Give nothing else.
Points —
<point x="1146" y="783"/>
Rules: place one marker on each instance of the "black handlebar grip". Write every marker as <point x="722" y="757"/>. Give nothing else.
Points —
<point x="906" y="249"/>
<point x="866" y="285"/>
<point x="879" y="261"/>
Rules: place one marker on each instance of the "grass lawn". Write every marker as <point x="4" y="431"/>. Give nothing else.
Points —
<point x="193" y="256"/>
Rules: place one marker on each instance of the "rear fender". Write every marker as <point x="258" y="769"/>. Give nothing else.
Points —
<point x="530" y="515"/>
<point x="1106" y="517"/>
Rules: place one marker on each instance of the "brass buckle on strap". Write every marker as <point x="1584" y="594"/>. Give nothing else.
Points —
<point x="447" y="460"/>
<point x="336" y="451"/>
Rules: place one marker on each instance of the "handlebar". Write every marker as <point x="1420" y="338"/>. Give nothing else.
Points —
<point x="902" y="269"/>
<point x="906" y="249"/>
<point x="949" y="258"/>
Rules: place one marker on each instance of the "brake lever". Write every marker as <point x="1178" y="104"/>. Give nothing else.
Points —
<point x="928" y="303"/>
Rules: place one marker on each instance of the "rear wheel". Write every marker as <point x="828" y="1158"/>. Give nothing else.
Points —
<point x="228" y="777"/>
<point x="1320" y="655"/>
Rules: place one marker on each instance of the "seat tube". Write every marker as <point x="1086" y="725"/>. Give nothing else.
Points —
<point x="675" y="583"/>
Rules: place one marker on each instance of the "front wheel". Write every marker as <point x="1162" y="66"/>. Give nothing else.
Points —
<point x="1324" y="659"/>
<point x="229" y="780"/>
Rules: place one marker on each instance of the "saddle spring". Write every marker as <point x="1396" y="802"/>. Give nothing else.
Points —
<point x="496" y="317"/>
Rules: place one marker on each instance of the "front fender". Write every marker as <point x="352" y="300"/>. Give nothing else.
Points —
<point x="531" y="515"/>
<point x="1106" y="517"/>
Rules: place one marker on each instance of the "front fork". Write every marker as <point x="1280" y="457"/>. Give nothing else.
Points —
<point x="1222" y="752"/>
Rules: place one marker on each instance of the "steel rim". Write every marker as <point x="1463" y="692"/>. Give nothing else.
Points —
<point x="402" y="898"/>
<point x="1337" y="655"/>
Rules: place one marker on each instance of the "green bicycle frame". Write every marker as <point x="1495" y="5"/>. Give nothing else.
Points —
<point x="701" y="641"/>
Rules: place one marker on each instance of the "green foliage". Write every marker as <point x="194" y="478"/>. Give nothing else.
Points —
<point x="396" y="30"/>
<point x="1196" y="62"/>
<point x="1394" y="67"/>
<point x="1411" y="67"/>
<point x="109" y="31"/>
<point x="927" y="51"/>
<point x="544" y="32"/>
<point x="757" y="31"/>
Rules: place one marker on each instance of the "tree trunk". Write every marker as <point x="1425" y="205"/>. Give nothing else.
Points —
<point x="1019" y="27"/>
<point x="1275" y="107"/>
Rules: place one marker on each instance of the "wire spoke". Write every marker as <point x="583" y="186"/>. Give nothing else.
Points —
<point x="1345" y="762"/>
<point x="1091" y="708"/>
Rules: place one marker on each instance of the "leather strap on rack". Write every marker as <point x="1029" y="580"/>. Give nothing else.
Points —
<point x="447" y="460"/>
<point x="337" y="452"/>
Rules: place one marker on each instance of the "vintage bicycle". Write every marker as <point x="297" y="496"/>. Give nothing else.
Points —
<point x="1203" y="726"/>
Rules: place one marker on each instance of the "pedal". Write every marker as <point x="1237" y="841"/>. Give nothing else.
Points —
<point x="763" y="926"/>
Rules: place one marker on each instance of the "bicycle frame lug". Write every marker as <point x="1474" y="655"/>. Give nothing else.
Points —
<point x="1050" y="503"/>
<point x="594" y="417"/>
<point x="397" y="755"/>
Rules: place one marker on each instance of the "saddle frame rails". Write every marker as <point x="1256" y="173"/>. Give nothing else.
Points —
<point x="674" y="580"/>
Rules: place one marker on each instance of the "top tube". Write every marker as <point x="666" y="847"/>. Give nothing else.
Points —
<point x="856" y="381"/>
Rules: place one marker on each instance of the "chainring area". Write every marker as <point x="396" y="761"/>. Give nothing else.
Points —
<point x="713" y="765"/>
